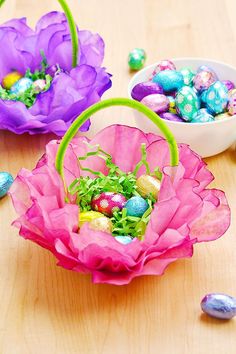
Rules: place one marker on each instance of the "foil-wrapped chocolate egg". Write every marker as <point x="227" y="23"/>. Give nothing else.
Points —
<point x="223" y="116"/>
<point x="187" y="103"/>
<point x="232" y="92"/>
<point x="144" y="89"/>
<point x="232" y="104"/>
<point x="136" y="206"/>
<point x="202" y="116"/>
<point x="171" y="116"/>
<point x="108" y="202"/>
<point x="172" y="107"/>
<point x="156" y="102"/>
<point x="229" y="84"/>
<point x="217" y="97"/>
<point x="188" y="76"/>
<point x="88" y="216"/>
<point x="220" y="306"/>
<point x="207" y="68"/>
<point x="10" y="79"/>
<point x="136" y="59"/>
<point x="21" y="86"/>
<point x="203" y="80"/>
<point x="102" y="224"/>
<point x="39" y="85"/>
<point x="164" y="65"/>
<point x="148" y="185"/>
<point x="125" y="240"/>
<point x="170" y="80"/>
<point x="6" y="181"/>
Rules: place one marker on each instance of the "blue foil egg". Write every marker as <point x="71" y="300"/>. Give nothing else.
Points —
<point x="125" y="240"/>
<point x="21" y="86"/>
<point x="6" y="181"/>
<point x="136" y="206"/>
<point x="169" y="80"/>
<point x="202" y="116"/>
<point x="221" y="306"/>
<point x="216" y="97"/>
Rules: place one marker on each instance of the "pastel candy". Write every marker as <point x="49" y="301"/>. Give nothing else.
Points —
<point x="188" y="76"/>
<point x="88" y="216"/>
<point x="203" y="80"/>
<point x="144" y="89"/>
<point x="125" y="240"/>
<point x="156" y="102"/>
<point x="229" y="84"/>
<point x="217" y="97"/>
<point x="171" y="117"/>
<point x="101" y="224"/>
<point x="223" y="116"/>
<point x="39" y="85"/>
<point x="221" y="306"/>
<point x="170" y="80"/>
<point x="187" y="103"/>
<point x="136" y="206"/>
<point x="147" y="185"/>
<point x="202" y="116"/>
<point x="10" y="79"/>
<point x="6" y="181"/>
<point x="232" y="104"/>
<point x="21" y="86"/>
<point x="164" y="65"/>
<point x="108" y="202"/>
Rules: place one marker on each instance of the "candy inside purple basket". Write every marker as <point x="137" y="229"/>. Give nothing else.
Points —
<point x="194" y="96"/>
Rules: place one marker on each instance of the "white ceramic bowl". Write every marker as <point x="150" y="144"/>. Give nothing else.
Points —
<point x="206" y="139"/>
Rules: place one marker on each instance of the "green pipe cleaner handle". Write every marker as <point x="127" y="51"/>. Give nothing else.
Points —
<point x="73" y="30"/>
<point x="71" y="132"/>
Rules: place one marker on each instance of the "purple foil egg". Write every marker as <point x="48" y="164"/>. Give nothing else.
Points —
<point x="229" y="84"/>
<point x="221" y="306"/>
<point x="203" y="80"/>
<point x="156" y="102"/>
<point x="171" y="116"/>
<point x="144" y="89"/>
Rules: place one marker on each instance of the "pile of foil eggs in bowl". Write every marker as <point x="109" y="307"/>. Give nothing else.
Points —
<point x="196" y="97"/>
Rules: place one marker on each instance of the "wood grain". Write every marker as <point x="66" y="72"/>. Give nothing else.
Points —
<point x="46" y="309"/>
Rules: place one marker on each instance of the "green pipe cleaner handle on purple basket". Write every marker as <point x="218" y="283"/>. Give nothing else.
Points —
<point x="71" y="132"/>
<point x="73" y="30"/>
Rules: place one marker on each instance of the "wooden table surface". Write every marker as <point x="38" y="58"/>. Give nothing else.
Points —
<point x="46" y="309"/>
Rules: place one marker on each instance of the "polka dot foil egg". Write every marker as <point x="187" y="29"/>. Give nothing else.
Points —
<point x="108" y="202"/>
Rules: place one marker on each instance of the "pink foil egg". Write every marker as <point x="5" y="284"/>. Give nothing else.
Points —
<point x="203" y="80"/>
<point x="108" y="202"/>
<point x="164" y="65"/>
<point x="171" y="116"/>
<point x="144" y="89"/>
<point x="232" y="104"/>
<point x="156" y="102"/>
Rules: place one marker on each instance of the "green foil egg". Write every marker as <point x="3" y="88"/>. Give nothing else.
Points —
<point x="136" y="59"/>
<point x="187" y="103"/>
<point x="188" y="76"/>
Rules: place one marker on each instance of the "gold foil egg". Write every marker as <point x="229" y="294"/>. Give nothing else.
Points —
<point x="88" y="216"/>
<point x="10" y="79"/>
<point x="147" y="185"/>
<point x="102" y="224"/>
<point x="223" y="116"/>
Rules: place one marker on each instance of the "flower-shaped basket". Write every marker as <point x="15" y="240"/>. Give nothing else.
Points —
<point x="61" y="66"/>
<point x="49" y="200"/>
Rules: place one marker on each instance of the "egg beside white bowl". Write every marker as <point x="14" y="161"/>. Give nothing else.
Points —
<point x="207" y="139"/>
